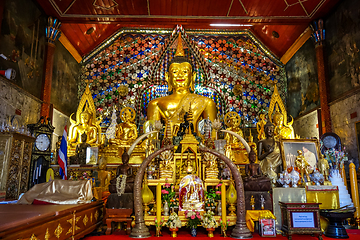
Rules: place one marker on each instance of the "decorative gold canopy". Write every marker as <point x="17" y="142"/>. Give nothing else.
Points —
<point x="179" y="48"/>
<point x="276" y="103"/>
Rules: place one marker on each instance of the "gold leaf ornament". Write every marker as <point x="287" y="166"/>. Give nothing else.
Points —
<point x="123" y="90"/>
<point x="237" y="90"/>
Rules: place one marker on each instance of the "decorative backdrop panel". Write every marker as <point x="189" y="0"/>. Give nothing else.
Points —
<point x="232" y="68"/>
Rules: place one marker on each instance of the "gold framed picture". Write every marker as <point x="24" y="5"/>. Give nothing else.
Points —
<point x="309" y="147"/>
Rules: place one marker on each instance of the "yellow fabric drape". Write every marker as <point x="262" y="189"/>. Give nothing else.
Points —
<point x="255" y="215"/>
<point x="329" y="199"/>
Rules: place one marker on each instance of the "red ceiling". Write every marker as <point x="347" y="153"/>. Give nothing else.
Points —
<point x="289" y="18"/>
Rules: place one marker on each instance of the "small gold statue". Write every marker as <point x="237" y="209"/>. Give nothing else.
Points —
<point x="211" y="170"/>
<point x="260" y="126"/>
<point x="181" y="79"/>
<point x="233" y="120"/>
<point x="126" y="132"/>
<point x="102" y="180"/>
<point x="166" y="170"/>
<point x="303" y="166"/>
<point x="283" y="128"/>
<point x="85" y="123"/>
<point x="252" y="202"/>
<point x="323" y="166"/>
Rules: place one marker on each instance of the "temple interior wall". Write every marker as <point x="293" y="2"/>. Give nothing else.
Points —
<point x="12" y="98"/>
<point x="307" y="126"/>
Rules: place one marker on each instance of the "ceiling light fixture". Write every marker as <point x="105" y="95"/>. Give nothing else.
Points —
<point x="230" y="25"/>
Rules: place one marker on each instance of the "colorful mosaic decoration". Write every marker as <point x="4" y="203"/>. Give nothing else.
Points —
<point x="231" y="69"/>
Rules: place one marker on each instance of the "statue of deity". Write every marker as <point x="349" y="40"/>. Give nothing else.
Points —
<point x="80" y="152"/>
<point x="233" y="120"/>
<point x="269" y="153"/>
<point x="126" y="132"/>
<point x="166" y="170"/>
<point x="181" y="81"/>
<point x="85" y="123"/>
<point x="283" y="128"/>
<point x="254" y="181"/>
<point x="191" y="193"/>
<point x="260" y="126"/>
<point x="124" y="180"/>
<point x="187" y="125"/>
<point x="323" y="166"/>
<point x="303" y="166"/>
<point x="211" y="170"/>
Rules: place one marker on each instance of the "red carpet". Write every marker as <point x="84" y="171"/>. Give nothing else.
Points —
<point x="184" y="234"/>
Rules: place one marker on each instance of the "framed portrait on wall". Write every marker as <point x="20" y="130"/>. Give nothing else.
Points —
<point x="309" y="148"/>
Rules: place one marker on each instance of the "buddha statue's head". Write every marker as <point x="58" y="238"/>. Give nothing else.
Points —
<point x="269" y="129"/>
<point x="252" y="155"/>
<point x="278" y="118"/>
<point x="180" y="71"/>
<point x="85" y="117"/>
<point x="299" y="152"/>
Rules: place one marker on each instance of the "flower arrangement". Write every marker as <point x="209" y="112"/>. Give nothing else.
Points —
<point x="168" y="194"/>
<point x="212" y="196"/>
<point x="194" y="218"/>
<point x="173" y="221"/>
<point x="158" y="225"/>
<point x="224" y="226"/>
<point x="209" y="220"/>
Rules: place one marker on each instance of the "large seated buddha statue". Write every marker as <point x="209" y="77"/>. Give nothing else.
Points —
<point x="85" y="123"/>
<point x="181" y="81"/>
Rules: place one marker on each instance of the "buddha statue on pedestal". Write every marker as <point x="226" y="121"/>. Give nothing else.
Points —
<point x="126" y="132"/>
<point x="269" y="154"/>
<point x="166" y="170"/>
<point x="122" y="186"/>
<point x="181" y="81"/>
<point x="102" y="180"/>
<point x="254" y="180"/>
<point x="80" y="152"/>
<point x="233" y="120"/>
<point x="191" y="193"/>
<point x="85" y="123"/>
<point x="211" y="170"/>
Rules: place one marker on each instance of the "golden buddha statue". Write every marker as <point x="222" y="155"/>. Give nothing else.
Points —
<point x="283" y="129"/>
<point x="233" y="120"/>
<point x="260" y="126"/>
<point x="102" y="180"/>
<point x="126" y="132"/>
<point x="181" y="80"/>
<point x="323" y="166"/>
<point x="85" y="123"/>
<point x="211" y="170"/>
<point x="166" y="170"/>
<point x="191" y="193"/>
<point x="303" y="166"/>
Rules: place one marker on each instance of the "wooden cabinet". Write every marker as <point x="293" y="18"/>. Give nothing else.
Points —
<point x="15" y="157"/>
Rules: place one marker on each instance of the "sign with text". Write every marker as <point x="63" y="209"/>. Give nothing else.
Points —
<point x="303" y="219"/>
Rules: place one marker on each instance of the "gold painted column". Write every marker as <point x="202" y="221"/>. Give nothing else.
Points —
<point x="52" y="34"/>
<point x="319" y="38"/>
<point x="354" y="191"/>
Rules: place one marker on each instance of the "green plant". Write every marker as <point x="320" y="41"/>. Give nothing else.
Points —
<point x="194" y="218"/>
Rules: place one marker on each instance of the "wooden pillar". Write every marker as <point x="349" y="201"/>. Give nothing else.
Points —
<point x="52" y="34"/>
<point x="319" y="38"/>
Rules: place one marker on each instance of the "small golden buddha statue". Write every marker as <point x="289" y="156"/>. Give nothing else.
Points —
<point x="181" y="79"/>
<point x="85" y="123"/>
<point x="252" y="144"/>
<point x="283" y="128"/>
<point x="260" y="126"/>
<point x="233" y="120"/>
<point x="303" y="166"/>
<point x="211" y="170"/>
<point x="126" y="132"/>
<point x="282" y="131"/>
<point x="166" y="170"/>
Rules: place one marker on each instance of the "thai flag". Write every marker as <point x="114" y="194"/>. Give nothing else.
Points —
<point x="62" y="156"/>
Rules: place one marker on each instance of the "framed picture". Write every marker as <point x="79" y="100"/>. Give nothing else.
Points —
<point x="289" y="148"/>
<point x="267" y="227"/>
